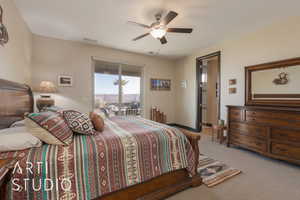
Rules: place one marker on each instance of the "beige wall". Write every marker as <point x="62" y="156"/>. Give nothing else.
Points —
<point x="15" y="56"/>
<point x="53" y="57"/>
<point x="275" y="42"/>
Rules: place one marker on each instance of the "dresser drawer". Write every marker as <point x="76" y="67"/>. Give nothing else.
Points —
<point x="285" y="135"/>
<point x="286" y="150"/>
<point x="236" y="115"/>
<point x="273" y="122"/>
<point x="247" y="141"/>
<point x="273" y="115"/>
<point x="248" y="129"/>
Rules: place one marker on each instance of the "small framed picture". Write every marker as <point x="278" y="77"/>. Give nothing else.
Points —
<point x="232" y="81"/>
<point x="65" y="81"/>
<point x="232" y="90"/>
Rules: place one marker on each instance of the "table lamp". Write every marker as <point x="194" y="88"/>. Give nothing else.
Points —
<point x="46" y="88"/>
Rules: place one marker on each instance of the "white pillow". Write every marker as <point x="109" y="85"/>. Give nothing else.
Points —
<point x="18" y="124"/>
<point x="17" y="138"/>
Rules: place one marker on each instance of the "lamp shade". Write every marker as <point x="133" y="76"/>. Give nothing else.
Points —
<point x="47" y="87"/>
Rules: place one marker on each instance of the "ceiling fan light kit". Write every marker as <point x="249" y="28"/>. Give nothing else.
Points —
<point x="159" y="29"/>
<point x="158" y="33"/>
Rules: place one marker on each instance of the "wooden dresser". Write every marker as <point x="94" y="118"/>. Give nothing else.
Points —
<point x="271" y="131"/>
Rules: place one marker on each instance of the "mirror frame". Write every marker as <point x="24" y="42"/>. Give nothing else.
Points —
<point x="249" y="101"/>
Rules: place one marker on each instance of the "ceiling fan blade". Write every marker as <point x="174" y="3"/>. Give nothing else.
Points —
<point x="180" y="30"/>
<point x="139" y="24"/>
<point x="170" y="16"/>
<point x="163" y="40"/>
<point x="141" y="36"/>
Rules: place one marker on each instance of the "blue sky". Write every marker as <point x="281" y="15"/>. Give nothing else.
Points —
<point x="104" y="84"/>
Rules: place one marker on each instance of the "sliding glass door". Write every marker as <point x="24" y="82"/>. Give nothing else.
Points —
<point x="118" y="89"/>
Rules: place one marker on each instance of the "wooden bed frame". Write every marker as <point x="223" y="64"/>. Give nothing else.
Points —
<point x="17" y="99"/>
<point x="158" y="116"/>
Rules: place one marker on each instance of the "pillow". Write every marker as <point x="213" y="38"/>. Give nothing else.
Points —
<point x="53" y="109"/>
<point x="17" y="138"/>
<point x="97" y="121"/>
<point x="49" y="127"/>
<point x="79" y="122"/>
<point x="19" y="123"/>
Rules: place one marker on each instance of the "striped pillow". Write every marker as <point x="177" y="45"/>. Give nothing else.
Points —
<point x="49" y="127"/>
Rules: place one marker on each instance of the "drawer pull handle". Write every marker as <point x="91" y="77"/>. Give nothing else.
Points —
<point x="283" y="150"/>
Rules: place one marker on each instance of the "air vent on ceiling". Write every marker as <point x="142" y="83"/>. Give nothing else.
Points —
<point x="91" y="41"/>
<point x="153" y="53"/>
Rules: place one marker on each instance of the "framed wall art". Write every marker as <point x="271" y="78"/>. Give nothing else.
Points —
<point x="65" y="81"/>
<point x="232" y="81"/>
<point x="160" y="84"/>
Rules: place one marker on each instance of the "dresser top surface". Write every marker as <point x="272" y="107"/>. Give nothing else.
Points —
<point x="294" y="109"/>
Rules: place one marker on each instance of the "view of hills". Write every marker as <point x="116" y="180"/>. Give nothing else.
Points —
<point x="113" y="98"/>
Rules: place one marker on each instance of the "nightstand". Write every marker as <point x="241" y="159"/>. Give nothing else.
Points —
<point x="5" y="166"/>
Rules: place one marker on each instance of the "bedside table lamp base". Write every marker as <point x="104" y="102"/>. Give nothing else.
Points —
<point x="43" y="102"/>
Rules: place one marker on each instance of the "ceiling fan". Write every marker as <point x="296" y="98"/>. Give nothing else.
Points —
<point x="159" y="28"/>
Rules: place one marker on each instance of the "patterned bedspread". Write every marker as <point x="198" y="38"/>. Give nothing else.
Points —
<point x="131" y="150"/>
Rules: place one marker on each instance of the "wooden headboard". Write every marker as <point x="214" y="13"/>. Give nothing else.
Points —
<point x="15" y="100"/>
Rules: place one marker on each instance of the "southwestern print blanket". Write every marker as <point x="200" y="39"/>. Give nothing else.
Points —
<point x="129" y="151"/>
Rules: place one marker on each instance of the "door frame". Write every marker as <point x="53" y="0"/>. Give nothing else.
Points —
<point x="199" y="89"/>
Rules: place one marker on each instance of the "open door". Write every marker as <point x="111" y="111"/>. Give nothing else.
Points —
<point x="208" y="90"/>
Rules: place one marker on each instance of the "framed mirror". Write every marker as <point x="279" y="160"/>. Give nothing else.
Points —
<point x="273" y="84"/>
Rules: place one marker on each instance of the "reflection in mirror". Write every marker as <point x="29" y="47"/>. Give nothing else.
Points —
<point x="276" y="83"/>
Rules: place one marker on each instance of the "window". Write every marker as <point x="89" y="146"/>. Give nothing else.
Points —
<point x="118" y="88"/>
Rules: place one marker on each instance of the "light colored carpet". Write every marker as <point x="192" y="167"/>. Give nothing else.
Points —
<point x="262" y="178"/>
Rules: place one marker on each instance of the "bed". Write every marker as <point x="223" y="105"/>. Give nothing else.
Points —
<point x="133" y="158"/>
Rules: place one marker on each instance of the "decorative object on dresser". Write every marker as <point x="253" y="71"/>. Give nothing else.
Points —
<point x="158" y="116"/>
<point x="271" y="131"/>
<point x="273" y="84"/>
<point x="160" y="84"/>
<point x="3" y="31"/>
<point x="46" y="88"/>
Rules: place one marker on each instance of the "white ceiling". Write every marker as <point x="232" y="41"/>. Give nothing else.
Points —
<point x="106" y="21"/>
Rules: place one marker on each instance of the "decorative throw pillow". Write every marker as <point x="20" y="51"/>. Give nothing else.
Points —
<point x="49" y="127"/>
<point x="97" y="121"/>
<point x="79" y="122"/>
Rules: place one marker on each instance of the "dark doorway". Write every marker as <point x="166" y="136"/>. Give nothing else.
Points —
<point x="208" y="89"/>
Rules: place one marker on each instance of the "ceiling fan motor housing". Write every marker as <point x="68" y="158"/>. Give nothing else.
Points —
<point x="158" y="17"/>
